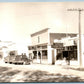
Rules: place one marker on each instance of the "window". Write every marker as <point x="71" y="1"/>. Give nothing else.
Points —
<point x="38" y="39"/>
<point x="75" y="43"/>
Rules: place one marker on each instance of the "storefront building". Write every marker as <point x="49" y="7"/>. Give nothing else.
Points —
<point x="44" y="48"/>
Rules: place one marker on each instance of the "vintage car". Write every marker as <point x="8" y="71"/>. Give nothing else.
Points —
<point x="18" y="59"/>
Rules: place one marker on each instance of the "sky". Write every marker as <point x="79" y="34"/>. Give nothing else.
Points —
<point x="20" y="19"/>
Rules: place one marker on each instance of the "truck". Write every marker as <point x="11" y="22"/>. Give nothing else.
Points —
<point x="17" y="59"/>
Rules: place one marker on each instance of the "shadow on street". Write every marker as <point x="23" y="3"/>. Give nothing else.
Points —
<point x="7" y="75"/>
<point x="42" y="76"/>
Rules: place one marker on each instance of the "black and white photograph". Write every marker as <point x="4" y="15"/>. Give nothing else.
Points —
<point x="41" y="42"/>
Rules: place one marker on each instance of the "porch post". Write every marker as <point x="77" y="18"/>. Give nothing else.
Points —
<point x="41" y="57"/>
<point x="37" y="53"/>
<point x="49" y="53"/>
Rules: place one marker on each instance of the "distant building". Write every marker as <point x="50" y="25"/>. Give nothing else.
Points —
<point x="7" y="47"/>
<point x="45" y="43"/>
<point x="3" y="50"/>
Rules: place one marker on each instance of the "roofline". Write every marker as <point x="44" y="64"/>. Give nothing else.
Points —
<point x="52" y="32"/>
<point x="40" y="31"/>
<point x="62" y="33"/>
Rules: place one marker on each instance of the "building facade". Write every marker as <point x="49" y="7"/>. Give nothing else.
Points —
<point x="44" y="48"/>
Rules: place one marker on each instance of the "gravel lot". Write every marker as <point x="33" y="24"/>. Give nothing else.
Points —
<point x="40" y="73"/>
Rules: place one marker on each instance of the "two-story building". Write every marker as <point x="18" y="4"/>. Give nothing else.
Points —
<point x="43" y="46"/>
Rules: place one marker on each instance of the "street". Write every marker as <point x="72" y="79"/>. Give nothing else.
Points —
<point x="40" y="73"/>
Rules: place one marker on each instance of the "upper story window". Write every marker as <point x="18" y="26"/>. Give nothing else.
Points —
<point x="38" y="39"/>
<point x="75" y="43"/>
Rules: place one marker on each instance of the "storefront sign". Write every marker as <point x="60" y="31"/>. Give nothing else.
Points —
<point x="57" y="45"/>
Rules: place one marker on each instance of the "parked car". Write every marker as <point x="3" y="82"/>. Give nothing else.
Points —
<point x="18" y="59"/>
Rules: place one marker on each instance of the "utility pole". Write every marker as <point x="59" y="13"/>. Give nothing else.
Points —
<point x="79" y="32"/>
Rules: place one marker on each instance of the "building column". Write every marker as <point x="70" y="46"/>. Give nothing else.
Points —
<point x="37" y="57"/>
<point x="49" y="54"/>
<point x="41" y="57"/>
<point x="53" y="56"/>
<point x="32" y="56"/>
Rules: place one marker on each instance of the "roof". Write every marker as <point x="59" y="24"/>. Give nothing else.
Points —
<point x="55" y="30"/>
<point x="51" y="30"/>
<point x="40" y="31"/>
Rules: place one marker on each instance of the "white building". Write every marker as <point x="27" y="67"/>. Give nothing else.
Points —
<point x="44" y="42"/>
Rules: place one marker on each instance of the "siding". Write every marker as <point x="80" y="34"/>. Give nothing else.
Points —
<point x="43" y="37"/>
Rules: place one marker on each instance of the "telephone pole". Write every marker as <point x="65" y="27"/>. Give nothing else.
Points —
<point x="79" y="32"/>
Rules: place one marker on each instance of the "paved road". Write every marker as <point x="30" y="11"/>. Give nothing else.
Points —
<point x="40" y="73"/>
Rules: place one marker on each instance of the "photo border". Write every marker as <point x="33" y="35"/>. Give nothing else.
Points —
<point x="4" y="1"/>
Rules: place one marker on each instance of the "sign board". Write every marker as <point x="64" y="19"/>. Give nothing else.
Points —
<point x="57" y="45"/>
